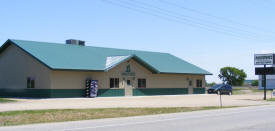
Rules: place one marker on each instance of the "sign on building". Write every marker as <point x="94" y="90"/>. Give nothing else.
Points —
<point x="264" y="59"/>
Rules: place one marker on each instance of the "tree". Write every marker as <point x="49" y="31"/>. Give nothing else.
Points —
<point x="255" y="83"/>
<point x="211" y="84"/>
<point x="232" y="76"/>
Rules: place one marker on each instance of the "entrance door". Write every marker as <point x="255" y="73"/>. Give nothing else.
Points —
<point x="190" y="86"/>
<point x="129" y="88"/>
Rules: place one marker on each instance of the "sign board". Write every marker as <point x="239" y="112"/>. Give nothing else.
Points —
<point x="264" y="59"/>
<point x="128" y="74"/>
<point x="267" y="71"/>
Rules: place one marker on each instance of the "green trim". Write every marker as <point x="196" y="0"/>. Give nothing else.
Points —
<point x="159" y="91"/>
<point x="34" y="93"/>
<point x="57" y="93"/>
<point x="67" y="93"/>
<point x="198" y="90"/>
<point x="110" y="92"/>
<point x="138" y="60"/>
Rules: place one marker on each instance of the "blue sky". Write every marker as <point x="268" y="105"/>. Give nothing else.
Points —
<point x="208" y="33"/>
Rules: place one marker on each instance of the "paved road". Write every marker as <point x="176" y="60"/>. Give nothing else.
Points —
<point x="257" y="118"/>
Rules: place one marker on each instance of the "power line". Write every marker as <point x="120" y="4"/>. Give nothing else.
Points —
<point x="174" y="19"/>
<point x="218" y="17"/>
<point x="198" y="20"/>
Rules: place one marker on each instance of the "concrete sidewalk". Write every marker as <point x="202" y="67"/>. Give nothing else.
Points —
<point x="137" y="101"/>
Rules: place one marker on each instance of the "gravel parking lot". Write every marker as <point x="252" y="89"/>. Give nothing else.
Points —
<point x="137" y="101"/>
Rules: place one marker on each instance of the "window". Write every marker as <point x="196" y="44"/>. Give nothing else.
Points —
<point x="128" y="82"/>
<point x="190" y="83"/>
<point x="141" y="83"/>
<point x="114" y="83"/>
<point x="128" y="68"/>
<point x="30" y="82"/>
<point x="199" y="83"/>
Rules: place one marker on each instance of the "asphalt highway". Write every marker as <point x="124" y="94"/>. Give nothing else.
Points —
<point x="254" y="118"/>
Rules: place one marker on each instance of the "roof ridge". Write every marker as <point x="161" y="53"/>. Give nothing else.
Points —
<point x="63" y="44"/>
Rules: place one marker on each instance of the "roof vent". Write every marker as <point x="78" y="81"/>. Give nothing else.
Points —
<point x="75" y="42"/>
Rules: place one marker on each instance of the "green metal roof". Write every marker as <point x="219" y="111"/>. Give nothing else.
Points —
<point x="58" y="56"/>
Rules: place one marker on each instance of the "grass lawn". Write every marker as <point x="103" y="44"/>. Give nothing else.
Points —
<point x="237" y="91"/>
<point x="257" y="90"/>
<point x="4" y="100"/>
<point x="42" y="116"/>
<point x="243" y="91"/>
<point x="271" y="99"/>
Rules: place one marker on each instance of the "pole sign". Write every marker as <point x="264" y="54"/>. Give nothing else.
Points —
<point x="265" y="71"/>
<point x="264" y="59"/>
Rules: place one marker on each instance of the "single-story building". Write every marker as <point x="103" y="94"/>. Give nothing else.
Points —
<point x="270" y="82"/>
<point x="43" y="69"/>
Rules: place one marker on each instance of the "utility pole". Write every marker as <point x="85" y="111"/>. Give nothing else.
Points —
<point x="264" y="82"/>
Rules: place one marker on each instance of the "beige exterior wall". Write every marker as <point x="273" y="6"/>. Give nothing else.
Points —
<point x="76" y="79"/>
<point x="153" y="80"/>
<point x="16" y="65"/>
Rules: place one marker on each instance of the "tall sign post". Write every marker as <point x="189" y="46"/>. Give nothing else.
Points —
<point x="264" y="59"/>
<point x="264" y="82"/>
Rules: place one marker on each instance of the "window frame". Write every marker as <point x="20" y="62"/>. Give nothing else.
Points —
<point x="142" y="83"/>
<point x="114" y="82"/>
<point x="30" y="83"/>
<point x="190" y="82"/>
<point x="199" y="83"/>
<point x="128" y="68"/>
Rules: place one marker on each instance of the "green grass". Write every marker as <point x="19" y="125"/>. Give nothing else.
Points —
<point x="271" y="99"/>
<point x="243" y="91"/>
<point x="42" y="116"/>
<point x="257" y="90"/>
<point x="4" y="100"/>
<point x="237" y="91"/>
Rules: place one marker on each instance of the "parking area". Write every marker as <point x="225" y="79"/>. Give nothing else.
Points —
<point x="139" y="101"/>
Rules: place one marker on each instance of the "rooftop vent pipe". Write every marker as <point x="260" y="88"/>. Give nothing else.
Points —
<point x="75" y="42"/>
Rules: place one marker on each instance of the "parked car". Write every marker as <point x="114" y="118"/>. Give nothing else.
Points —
<point x="220" y="89"/>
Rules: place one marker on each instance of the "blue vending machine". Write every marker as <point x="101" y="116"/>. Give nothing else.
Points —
<point x="93" y="88"/>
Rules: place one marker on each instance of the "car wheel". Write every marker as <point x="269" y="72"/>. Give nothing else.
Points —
<point x="230" y="93"/>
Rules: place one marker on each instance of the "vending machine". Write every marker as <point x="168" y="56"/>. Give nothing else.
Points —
<point x="93" y="88"/>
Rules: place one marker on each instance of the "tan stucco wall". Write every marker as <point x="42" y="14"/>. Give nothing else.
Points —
<point x="16" y="66"/>
<point x="153" y="80"/>
<point x="76" y="79"/>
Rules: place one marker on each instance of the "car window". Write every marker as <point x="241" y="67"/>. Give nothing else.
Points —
<point x="216" y="86"/>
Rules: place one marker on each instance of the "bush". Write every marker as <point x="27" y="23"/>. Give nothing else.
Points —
<point x="255" y="83"/>
<point x="211" y="84"/>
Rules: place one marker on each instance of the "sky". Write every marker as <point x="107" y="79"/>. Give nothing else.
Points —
<point x="208" y="33"/>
